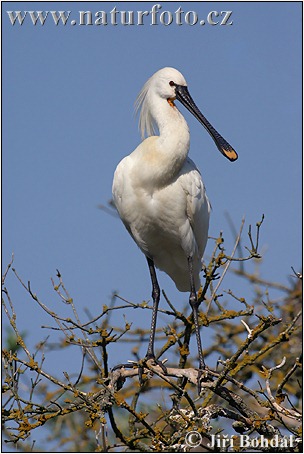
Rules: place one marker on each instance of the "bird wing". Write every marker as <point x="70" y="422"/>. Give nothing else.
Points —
<point x="123" y="196"/>
<point x="197" y="207"/>
<point x="119" y="190"/>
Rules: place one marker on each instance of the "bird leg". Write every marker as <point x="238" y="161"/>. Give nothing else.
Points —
<point x="156" y="297"/>
<point x="150" y="355"/>
<point x="194" y="303"/>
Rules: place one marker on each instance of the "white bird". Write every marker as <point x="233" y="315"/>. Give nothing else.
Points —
<point x="160" y="195"/>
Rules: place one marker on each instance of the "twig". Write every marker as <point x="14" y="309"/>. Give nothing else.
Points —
<point x="287" y="376"/>
<point x="226" y="266"/>
<point x="286" y="412"/>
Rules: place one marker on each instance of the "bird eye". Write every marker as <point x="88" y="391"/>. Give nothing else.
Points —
<point x="171" y="83"/>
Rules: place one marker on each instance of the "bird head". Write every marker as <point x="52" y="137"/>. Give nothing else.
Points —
<point x="170" y="84"/>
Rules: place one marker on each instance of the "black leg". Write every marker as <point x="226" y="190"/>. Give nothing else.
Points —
<point x="155" y="297"/>
<point x="150" y="352"/>
<point x="195" y="305"/>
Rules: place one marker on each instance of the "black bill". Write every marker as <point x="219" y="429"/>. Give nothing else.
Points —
<point x="183" y="95"/>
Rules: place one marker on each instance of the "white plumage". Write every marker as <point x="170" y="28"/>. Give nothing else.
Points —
<point x="168" y="222"/>
<point x="158" y="191"/>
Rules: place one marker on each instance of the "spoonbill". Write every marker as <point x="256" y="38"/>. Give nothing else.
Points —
<point x="160" y="195"/>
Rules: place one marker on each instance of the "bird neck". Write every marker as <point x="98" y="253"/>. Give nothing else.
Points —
<point x="174" y="136"/>
<point x="162" y="157"/>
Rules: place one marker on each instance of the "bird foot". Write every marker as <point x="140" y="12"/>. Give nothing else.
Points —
<point x="141" y="365"/>
<point x="129" y="365"/>
<point x="202" y="375"/>
<point x="154" y="362"/>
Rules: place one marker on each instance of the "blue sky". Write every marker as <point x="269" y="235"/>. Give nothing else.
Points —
<point x="68" y="119"/>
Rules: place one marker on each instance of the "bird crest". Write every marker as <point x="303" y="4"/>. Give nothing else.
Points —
<point x="147" y="125"/>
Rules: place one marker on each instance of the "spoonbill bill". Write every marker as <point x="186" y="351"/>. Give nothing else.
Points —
<point x="160" y="195"/>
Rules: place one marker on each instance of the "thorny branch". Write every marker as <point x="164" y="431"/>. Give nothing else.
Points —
<point x="253" y="345"/>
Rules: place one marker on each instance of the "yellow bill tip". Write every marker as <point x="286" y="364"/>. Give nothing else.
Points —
<point x="230" y="154"/>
